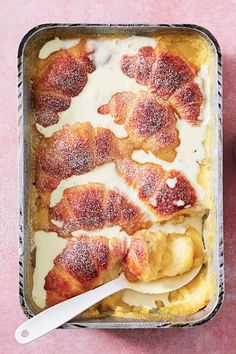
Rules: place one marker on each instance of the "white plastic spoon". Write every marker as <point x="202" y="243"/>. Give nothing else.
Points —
<point x="59" y="314"/>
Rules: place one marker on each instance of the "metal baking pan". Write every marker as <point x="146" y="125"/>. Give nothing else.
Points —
<point x="40" y="35"/>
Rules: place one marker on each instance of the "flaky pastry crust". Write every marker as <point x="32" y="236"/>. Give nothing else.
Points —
<point x="170" y="77"/>
<point x="149" y="121"/>
<point x="92" y="206"/>
<point x="85" y="263"/>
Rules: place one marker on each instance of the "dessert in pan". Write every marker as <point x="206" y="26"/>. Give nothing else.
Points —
<point x="121" y="163"/>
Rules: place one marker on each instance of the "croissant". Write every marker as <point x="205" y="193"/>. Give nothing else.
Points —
<point x="75" y="150"/>
<point x="152" y="256"/>
<point x="166" y="193"/>
<point x="170" y="76"/>
<point x="85" y="263"/>
<point x="92" y="206"/>
<point x="149" y="121"/>
<point x="63" y="75"/>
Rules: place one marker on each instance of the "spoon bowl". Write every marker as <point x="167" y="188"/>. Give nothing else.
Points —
<point x="59" y="314"/>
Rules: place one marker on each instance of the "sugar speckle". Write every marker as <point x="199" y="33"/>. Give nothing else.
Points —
<point x="153" y="202"/>
<point x="179" y="203"/>
<point x="171" y="182"/>
<point x="187" y="206"/>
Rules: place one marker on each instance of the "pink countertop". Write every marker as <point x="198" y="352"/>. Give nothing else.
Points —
<point x="17" y="17"/>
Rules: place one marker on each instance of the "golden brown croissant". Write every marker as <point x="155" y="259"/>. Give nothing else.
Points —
<point x="75" y="150"/>
<point x="170" y="76"/>
<point x="165" y="192"/>
<point x="152" y="256"/>
<point x="85" y="263"/>
<point x="149" y="121"/>
<point x="92" y="206"/>
<point x="63" y="75"/>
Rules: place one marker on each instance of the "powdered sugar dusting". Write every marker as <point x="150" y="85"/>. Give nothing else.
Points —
<point x="179" y="203"/>
<point x="191" y="151"/>
<point x="74" y="150"/>
<point x="85" y="257"/>
<point x="153" y="202"/>
<point x="171" y="182"/>
<point x="92" y="206"/>
<point x="168" y="75"/>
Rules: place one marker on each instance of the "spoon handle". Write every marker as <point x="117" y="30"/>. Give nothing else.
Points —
<point x="59" y="314"/>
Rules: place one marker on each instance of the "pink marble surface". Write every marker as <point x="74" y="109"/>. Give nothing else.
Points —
<point x="17" y="17"/>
